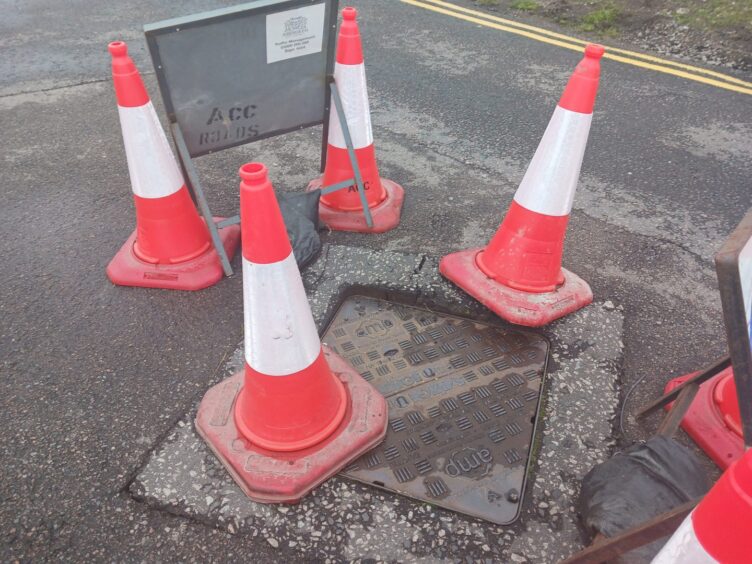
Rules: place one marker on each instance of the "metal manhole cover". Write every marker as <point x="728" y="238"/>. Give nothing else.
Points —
<point x="463" y="400"/>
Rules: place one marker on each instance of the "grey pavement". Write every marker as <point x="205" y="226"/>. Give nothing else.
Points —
<point x="342" y="519"/>
<point x="94" y="378"/>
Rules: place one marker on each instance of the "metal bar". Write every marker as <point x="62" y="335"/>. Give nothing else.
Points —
<point x="219" y="15"/>
<point x="330" y="51"/>
<point x="743" y="383"/>
<point x="699" y="378"/>
<point x="188" y="183"/>
<point x="234" y="220"/>
<point x="351" y="153"/>
<point x="325" y="130"/>
<point x="164" y="87"/>
<point x="649" y="531"/>
<point x="673" y="419"/>
<point x="730" y="284"/>
<point x="339" y="186"/>
<point x="203" y="204"/>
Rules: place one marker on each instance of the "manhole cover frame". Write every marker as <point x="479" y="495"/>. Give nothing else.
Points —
<point x="424" y="303"/>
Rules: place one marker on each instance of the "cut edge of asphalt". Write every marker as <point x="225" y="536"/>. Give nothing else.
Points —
<point x="345" y="519"/>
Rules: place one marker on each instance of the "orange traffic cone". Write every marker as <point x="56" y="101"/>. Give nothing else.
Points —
<point x="713" y="419"/>
<point x="298" y="413"/>
<point x="519" y="274"/>
<point x="342" y="210"/>
<point x="170" y="247"/>
<point x="720" y="527"/>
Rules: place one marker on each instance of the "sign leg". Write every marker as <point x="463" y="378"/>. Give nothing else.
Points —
<point x="351" y="153"/>
<point x="194" y="185"/>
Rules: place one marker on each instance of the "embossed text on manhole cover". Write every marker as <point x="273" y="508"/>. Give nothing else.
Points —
<point x="463" y="399"/>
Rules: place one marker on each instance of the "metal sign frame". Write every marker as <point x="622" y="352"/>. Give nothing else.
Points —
<point x="190" y="174"/>
<point x="731" y="285"/>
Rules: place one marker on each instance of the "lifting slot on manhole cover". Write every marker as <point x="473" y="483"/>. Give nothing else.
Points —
<point x="463" y="402"/>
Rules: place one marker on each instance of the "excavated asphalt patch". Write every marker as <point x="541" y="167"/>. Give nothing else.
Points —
<point x="345" y="520"/>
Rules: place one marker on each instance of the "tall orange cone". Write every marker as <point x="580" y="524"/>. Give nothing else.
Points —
<point x="298" y="412"/>
<point x="342" y="210"/>
<point x="170" y="247"/>
<point x="519" y="274"/>
<point x="720" y="527"/>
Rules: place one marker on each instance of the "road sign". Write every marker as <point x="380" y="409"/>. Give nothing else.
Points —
<point x="245" y="73"/>
<point x="734" y="267"/>
<point x="241" y="74"/>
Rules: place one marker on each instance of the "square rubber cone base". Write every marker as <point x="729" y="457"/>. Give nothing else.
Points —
<point x="704" y="422"/>
<point x="285" y="477"/>
<point x="522" y="308"/>
<point x="126" y="269"/>
<point x="386" y="215"/>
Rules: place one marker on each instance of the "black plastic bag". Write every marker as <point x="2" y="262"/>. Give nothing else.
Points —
<point x="638" y="484"/>
<point x="301" y="214"/>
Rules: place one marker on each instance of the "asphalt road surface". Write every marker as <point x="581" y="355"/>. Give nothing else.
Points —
<point x="92" y="376"/>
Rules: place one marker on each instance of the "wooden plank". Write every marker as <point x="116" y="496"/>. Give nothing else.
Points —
<point x="649" y="531"/>
<point x="699" y="378"/>
<point x="671" y="422"/>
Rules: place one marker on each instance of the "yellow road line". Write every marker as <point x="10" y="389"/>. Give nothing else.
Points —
<point x="573" y="44"/>
<point x="543" y="31"/>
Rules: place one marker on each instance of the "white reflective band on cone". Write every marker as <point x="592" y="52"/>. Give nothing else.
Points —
<point x="280" y="334"/>
<point x="551" y="179"/>
<point x="151" y="164"/>
<point x="683" y="547"/>
<point x="351" y="84"/>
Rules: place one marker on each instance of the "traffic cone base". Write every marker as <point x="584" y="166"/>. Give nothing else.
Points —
<point x="285" y="477"/>
<point x="717" y="434"/>
<point x="128" y="269"/>
<point x="386" y="215"/>
<point x="516" y="306"/>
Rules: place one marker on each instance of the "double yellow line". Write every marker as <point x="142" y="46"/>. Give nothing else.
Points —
<point x="633" y="58"/>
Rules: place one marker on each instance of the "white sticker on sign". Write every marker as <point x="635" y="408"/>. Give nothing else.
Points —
<point x="294" y="33"/>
